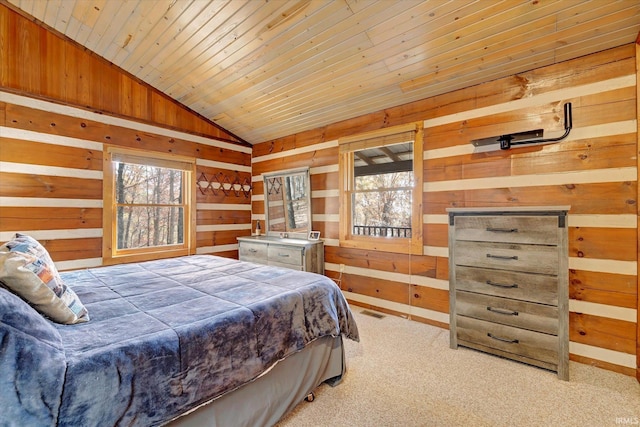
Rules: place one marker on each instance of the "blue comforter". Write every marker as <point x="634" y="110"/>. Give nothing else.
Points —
<point x="164" y="337"/>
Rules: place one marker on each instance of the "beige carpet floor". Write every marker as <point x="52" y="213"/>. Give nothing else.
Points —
<point x="403" y="373"/>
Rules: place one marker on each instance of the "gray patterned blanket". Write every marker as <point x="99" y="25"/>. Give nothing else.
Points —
<point x="164" y="337"/>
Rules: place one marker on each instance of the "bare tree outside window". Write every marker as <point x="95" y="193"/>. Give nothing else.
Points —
<point x="382" y="193"/>
<point x="380" y="173"/>
<point x="149" y="206"/>
<point x="382" y="205"/>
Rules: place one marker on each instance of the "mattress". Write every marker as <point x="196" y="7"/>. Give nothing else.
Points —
<point x="164" y="337"/>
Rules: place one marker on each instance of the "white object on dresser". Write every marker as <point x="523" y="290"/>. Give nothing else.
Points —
<point x="297" y="254"/>
<point x="508" y="283"/>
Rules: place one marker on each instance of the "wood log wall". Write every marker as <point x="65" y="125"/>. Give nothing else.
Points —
<point x="594" y="171"/>
<point x="59" y="105"/>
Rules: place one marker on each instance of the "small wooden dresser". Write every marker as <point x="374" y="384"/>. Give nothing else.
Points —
<point x="508" y="283"/>
<point x="297" y="254"/>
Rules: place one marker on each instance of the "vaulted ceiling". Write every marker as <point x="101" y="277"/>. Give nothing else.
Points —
<point x="266" y="69"/>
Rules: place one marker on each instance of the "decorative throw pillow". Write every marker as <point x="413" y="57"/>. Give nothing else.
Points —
<point x="27" y="270"/>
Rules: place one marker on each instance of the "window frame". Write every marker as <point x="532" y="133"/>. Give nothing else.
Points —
<point x="382" y="137"/>
<point x="110" y="253"/>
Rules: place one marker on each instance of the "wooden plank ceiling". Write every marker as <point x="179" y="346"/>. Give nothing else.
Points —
<point x="266" y="69"/>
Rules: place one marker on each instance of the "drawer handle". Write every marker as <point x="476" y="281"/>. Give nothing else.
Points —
<point x="502" y="230"/>
<point x="502" y="285"/>
<point x="253" y="251"/>
<point x="283" y="255"/>
<point x="501" y="311"/>
<point x="507" y="340"/>
<point x="515" y="257"/>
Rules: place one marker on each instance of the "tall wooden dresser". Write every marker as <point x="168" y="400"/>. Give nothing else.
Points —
<point x="508" y="282"/>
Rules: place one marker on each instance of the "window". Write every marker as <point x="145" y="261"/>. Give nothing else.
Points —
<point x="148" y="201"/>
<point x="381" y="190"/>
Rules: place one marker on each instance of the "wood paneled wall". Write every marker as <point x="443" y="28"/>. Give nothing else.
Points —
<point x="59" y="105"/>
<point x="594" y="171"/>
<point x="45" y="64"/>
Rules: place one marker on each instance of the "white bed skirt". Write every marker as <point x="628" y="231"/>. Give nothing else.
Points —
<point x="265" y="400"/>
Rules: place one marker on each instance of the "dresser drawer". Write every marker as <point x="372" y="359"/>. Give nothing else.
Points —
<point x="534" y="345"/>
<point x="536" y="317"/>
<point x="505" y="256"/>
<point x="252" y="252"/>
<point x="509" y="284"/>
<point x="541" y="230"/>
<point x="289" y="256"/>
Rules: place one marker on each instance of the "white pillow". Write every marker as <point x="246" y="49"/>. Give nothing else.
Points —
<point x="27" y="270"/>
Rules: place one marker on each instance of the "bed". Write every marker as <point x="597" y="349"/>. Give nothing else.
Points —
<point x="197" y="340"/>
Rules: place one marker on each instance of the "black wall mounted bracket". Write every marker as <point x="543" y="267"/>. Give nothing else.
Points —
<point x="529" y="137"/>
